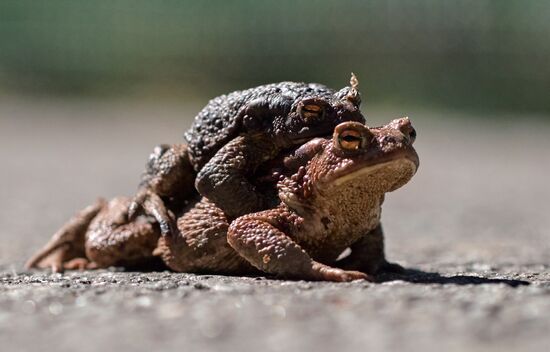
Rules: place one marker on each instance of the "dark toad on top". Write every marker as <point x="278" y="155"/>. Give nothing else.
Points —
<point x="236" y="133"/>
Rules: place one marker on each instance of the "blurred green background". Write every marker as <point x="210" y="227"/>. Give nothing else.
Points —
<point x="467" y="55"/>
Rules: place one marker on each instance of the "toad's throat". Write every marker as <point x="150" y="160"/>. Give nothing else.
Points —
<point x="352" y="202"/>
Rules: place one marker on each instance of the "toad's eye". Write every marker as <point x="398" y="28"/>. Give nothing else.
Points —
<point x="310" y="112"/>
<point x="350" y="139"/>
<point x="312" y="109"/>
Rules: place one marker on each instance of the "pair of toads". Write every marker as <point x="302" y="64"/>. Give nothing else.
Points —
<point x="279" y="179"/>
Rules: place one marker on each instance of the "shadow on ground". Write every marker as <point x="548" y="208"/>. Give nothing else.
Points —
<point x="417" y="276"/>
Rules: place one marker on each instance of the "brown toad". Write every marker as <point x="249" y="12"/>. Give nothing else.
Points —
<point x="330" y="193"/>
<point x="233" y="135"/>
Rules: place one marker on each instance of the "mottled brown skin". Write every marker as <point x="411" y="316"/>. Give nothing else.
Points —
<point x="330" y="193"/>
<point x="236" y="133"/>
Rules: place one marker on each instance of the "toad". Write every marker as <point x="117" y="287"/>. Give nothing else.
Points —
<point x="329" y="197"/>
<point x="233" y="135"/>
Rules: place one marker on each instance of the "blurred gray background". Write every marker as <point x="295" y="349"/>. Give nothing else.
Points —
<point x="88" y="88"/>
<point x="474" y="54"/>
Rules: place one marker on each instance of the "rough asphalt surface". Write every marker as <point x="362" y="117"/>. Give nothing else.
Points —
<point x="473" y="226"/>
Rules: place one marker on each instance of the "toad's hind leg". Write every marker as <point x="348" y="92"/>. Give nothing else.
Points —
<point x="113" y="240"/>
<point x="67" y="244"/>
<point x="201" y="243"/>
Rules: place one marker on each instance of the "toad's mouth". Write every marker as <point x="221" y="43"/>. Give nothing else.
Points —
<point x="404" y="164"/>
<point x="390" y="175"/>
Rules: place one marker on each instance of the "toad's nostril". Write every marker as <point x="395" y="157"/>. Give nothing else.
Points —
<point x="404" y="126"/>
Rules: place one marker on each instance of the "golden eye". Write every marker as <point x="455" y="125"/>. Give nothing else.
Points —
<point x="350" y="139"/>
<point x="311" y="111"/>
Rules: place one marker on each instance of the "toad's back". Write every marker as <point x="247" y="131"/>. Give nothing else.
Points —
<point x="220" y="120"/>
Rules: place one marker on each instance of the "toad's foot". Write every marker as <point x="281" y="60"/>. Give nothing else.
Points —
<point x="79" y="264"/>
<point x="67" y="243"/>
<point x="327" y="273"/>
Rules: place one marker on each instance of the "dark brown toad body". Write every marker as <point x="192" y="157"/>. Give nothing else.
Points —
<point x="235" y="134"/>
<point x="330" y="193"/>
<point x="287" y="113"/>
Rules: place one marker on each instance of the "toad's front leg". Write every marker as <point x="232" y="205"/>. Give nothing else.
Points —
<point x="168" y="181"/>
<point x="224" y="179"/>
<point x="260" y="239"/>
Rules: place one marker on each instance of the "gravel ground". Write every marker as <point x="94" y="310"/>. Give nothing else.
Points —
<point x="472" y="227"/>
